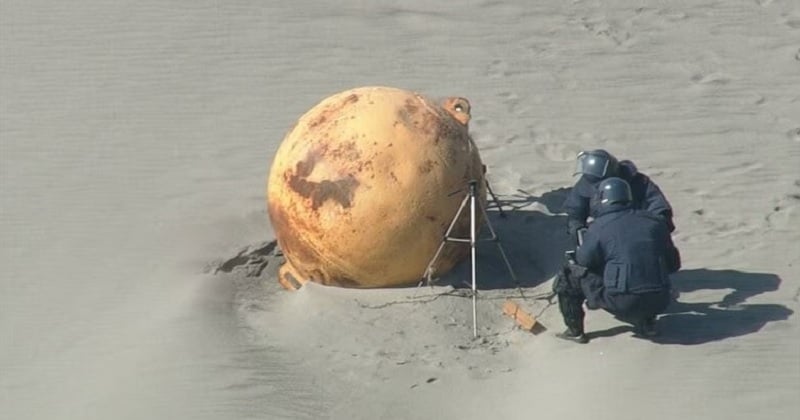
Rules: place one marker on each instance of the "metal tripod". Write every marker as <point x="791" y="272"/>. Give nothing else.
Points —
<point x="474" y="206"/>
<point x="496" y="201"/>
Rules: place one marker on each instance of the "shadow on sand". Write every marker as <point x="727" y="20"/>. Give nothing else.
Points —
<point x="533" y="236"/>
<point x="702" y="322"/>
<point x="697" y="323"/>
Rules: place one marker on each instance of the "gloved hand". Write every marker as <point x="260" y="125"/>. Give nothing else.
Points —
<point x="666" y="216"/>
<point x="581" y="232"/>
<point x="576" y="270"/>
<point x="573" y="226"/>
<point x="569" y="278"/>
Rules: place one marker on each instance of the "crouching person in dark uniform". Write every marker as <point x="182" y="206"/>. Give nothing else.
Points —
<point x="622" y="265"/>
<point x="597" y="165"/>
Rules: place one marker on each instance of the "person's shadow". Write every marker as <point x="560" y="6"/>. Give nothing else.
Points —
<point x="701" y="322"/>
<point x="690" y="323"/>
<point x="531" y="232"/>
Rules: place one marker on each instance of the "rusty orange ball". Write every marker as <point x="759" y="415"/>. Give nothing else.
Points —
<point x="364" y="186"/>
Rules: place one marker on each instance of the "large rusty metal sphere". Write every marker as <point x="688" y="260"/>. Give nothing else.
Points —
<point x="365" y="185"/>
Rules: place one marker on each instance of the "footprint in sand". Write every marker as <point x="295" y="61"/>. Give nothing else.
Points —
<point x="673" y="15"/>
<point x="510" y="100"/>
<point x="753" y="99"/>
<point x="739" y="169"/>
<point x="558" y="152"/>
<point x="718" y="229"/>
<point x="781" y="216"/>
<point x="601" y="27"/>
<point x="758" y="99"/>
<point x="497" y="69"/>
<point x="793" y="23"/>
<point x="509" y="97"/>
<point x="794" y="134"/>
<point x="714" y="79"/>
<point x="697" y="193"/>
<point x="480" y="122"/>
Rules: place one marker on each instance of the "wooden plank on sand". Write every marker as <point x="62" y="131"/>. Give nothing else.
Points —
<point x="523" y="318"/>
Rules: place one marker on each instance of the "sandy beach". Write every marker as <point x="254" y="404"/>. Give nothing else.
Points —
<point x="138" y="262"/>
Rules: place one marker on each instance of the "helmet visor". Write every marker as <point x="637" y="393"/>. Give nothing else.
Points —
<point x="592" y="165"/>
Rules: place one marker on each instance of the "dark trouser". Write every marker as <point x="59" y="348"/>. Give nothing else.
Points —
<point x="576" y="285"/>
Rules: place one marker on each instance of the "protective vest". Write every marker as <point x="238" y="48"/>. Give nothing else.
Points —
<point x="632" y="250"/>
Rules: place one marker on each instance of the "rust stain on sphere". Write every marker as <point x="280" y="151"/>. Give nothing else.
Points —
<point x="360" y="192"/>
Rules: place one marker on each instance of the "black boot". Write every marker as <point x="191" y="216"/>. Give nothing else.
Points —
<point x="574" y="335"/>
<point x="571" y="308"/>
<point x="645" y="327"/>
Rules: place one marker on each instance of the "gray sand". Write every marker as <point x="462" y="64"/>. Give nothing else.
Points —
<point x="135" y="139"/>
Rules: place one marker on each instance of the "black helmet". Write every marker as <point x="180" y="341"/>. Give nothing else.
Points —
<point x="596" y="163"/>
<point x="614" y="190"/>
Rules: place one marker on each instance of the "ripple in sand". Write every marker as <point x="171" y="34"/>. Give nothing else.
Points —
<point x="794" y="134"/>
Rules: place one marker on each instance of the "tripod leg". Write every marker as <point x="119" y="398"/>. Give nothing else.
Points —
<point x="429" y="269"/>
<point x="494" y="198"/>
<point x="496" y="239"/>
<point x="472" y="238"/>
<point x="426" y="276"/>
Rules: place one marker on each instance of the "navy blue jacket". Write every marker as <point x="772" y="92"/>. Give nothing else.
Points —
<point x="632" y="249"/>
<point x="646" y="196"/>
